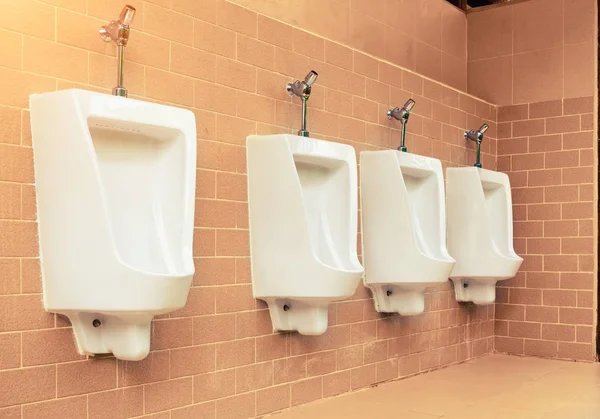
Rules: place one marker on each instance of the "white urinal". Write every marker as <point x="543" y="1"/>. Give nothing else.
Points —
<point x="404" y="228"/>
<point x="480" y="232"/>
<point x="302" y="197"/>
<point x="115" y="181"/>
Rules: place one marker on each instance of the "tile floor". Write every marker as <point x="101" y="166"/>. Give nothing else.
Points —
<point x="492" y="387"/>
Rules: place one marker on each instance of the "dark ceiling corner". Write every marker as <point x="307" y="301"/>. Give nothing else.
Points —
<point x="469" y="4"/>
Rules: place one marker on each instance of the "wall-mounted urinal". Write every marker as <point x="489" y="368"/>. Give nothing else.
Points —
<point x="403" y="228"/>
<point x="115" y="181"/>
<point x="480" y="232"/>
<point x="302" y="198"/>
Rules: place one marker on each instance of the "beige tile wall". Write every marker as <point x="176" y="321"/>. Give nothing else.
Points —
<point x="217" y="357"/>
<point x="426" y="36"/>
<point x="532" y="51"/>
<point x="549" y="151"/>
<point x="539" y="58"/>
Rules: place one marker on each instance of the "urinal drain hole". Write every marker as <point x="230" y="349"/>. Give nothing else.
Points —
<point x="388" y="293"/>
<point x="286" y="307"/>
<point x="465" y="285"/>
<point x="96" y="323"/>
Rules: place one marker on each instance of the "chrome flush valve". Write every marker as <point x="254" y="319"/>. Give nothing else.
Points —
<point x="118" y="32"/>
<point x="302" y="90"/>
<point x="402" y="114"/>
<point x="477" y="136"/>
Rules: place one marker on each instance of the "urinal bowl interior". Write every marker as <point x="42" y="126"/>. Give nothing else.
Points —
<point x="143" y="183"/>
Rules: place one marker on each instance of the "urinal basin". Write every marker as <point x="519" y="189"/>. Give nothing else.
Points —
<point x="480" y="232"/>
<point x="302" y="203"/>
<point x="403" y="228"/>
<point x="115" y="182"/>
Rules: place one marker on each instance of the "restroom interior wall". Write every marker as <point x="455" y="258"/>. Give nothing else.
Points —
<point x="426" y="36"/>
<point x="538" y="60"/>
<point x="549" y="151"/>
<point x="217" y="356"/>
<point x="532" y="51"/>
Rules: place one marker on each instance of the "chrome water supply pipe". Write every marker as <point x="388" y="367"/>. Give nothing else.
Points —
<point x="302" y="90"/>
<point x="402" y="114"/>
<point x="118" y="32"/>
<point x="477" y="136"/>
